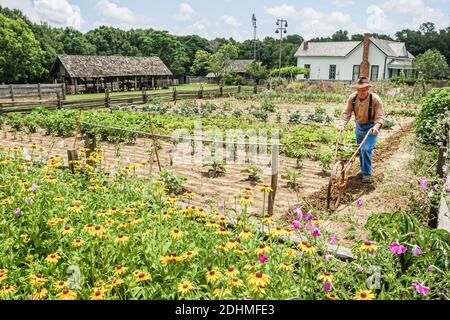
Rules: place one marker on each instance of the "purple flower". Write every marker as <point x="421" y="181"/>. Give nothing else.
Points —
<point x="316" y="233"/>
<point x="34" y="187"/>
<point x="327" y="286"/>
<point x="435" y="187"/>
<point x="309" y="216"/>
<point x="447" y="189"/>
<point x="397" y="248"/>
<point x="420" y="288"/>
<point x="423" y="183"/>
<point x="296" y="224"/>
<point x="333" y="240"/>
<point x="359" y="203"/>
<point x="308" y="226"/>
<point x="220" y="206"/>
<point x="430" y="269"/>
<point x="360" y="268"/>
<point x="299" y="213"/>
<point x="17" y="211"/>
<point x="327" y="256"/>
<point x="262" y="258"/>
<point x="247" y="298"/>
<point x="416" y="250"/>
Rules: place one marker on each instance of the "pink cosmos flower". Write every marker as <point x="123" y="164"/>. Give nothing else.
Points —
<point x="262" y="258"/>
<point x="309" y="216"/>
<point x="34" y="187"/>
<point x="299" y="213"/>
<point x="420" y="288"/>
<point x="423" y="183"/>
<point x="397" y="248"/>
<point x="359" y="203"/>
<point x="327" y="286"/>
<point x="17" y="211"/>
<point x="296" y="224"/>
<point x="416" y="250"/>
<point x="316" y="232"/>
<point x="333" y="240"/>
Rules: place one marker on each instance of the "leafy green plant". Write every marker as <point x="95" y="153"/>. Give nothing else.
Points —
<point x="322" y="118"/>
<point x="217" y="167"/>
<point x="292" y="178"/>
<point x="15" y="121"/>
<point x="237" y="113"/>
<point x="255" y="173"/>
<point x="174" y="183"/>
<point x="388" y="124"/>
<point x="320" y="110"/>
<point x="295" y="117"/>
<point x="268" y="105"/>
<point x="259" y="114"/>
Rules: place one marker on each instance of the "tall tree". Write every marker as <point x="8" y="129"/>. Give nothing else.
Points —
<point x="74" y="42"/>
<point x="431" y="64"/>
<point x="20" y="54"/>
<point x="111" y="41"/>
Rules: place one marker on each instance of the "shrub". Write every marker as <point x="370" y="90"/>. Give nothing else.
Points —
<point x="321" y="118"/>
<point x="295" y="117"/>
<point x="15" y="121"/>
<point x="255" y="173"/>
<point x="259" y="114"/>
<point x="292" y="179"/>
<point x="268" y="105"/>
<point x="277" y="82"/>
<point x="173" y="183"/>
<point x="429" y="124"/>
<point x="388" y="124"/>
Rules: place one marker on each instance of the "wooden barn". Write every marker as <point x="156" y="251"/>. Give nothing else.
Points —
<point x="93" y="74"/>
<point x="238" y="67"/>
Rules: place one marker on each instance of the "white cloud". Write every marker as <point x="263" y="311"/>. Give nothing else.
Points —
<point x="419" y="11"/>
<point x="342" y="3"/>
<point x="118" y="16"/>
<point x="230" y="20"/>
<point x="377" y="20"/>
<point x="185" y="12"/>
<point x="200" y="27"/>
<point x="58" y="13"/>
<point x="312" y="23"/>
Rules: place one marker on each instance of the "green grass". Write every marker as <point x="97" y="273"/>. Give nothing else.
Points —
<point x="112" y="94"/>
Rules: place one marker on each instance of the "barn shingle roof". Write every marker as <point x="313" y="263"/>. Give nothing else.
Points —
<point x="78" y="66"/>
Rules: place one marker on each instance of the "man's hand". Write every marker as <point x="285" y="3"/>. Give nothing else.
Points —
<point x="340" y="128"/>
<point x="375" y="130"/>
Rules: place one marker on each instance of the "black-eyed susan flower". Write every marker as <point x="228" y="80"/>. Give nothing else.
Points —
<point x="221" y="292"/>
<point x="77" y="243"/>
<point x="60" y="285"/>
<point x="364" y="295"/>
<point x="247" y="191"/>
<point x="240" y="251"/>
<point x="368" y="246"/>
<point x="74" y="208"/>
<point x="172" y="257"/>
<point x="277" y="232"/>
<point x="232" y="244"/>
<point x="98" y="231"/>
<point x="332" y="296"/>
<point x="251" y="266"/>
<point x="268" y="219"/>
<point x="258" y="279"/>
<point x="264" y="188"/>
<point x="121" y="239"/>
<point x="67" y="230"/>
<point x="188" y="255"/>
<point x="326" y="277"/>
<point x="308" y="248"/>
<point x="114" y="282"/>
<point x="7" y="289"/>
<point x="98" y="294"/>
<point x="63" y="218"/>
<point x="213" y="276"/>
<point x="53" y="222"/>
<point x="222" y="231"/>
<point x="290" y="252"/>
<point x="231" y="272"/>
<point x="189" y="194"/>
<point x="37" y="279"/>
<point x="286" y="266"/>
<point x="212" y="224"/>
<point x="176" y="234"/>
<point x="53" y="258"/>
<point x="40" y="293"/>
<point x="58" y="199"/>
<point x="67" y="294"/>
<point x="142" y="276"/>
<point x="259" y="289"/>
<point x="3" y="276"/>
<point x="119" y="270"/>
<point x="185" y="287"/>
<point x="235" y="282"/>
<point x="246" y="234"/>
<point x="262" y="249"/>
<point x="246" y="200"/>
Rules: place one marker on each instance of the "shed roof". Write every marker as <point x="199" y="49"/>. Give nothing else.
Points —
<point x="78" y="66"/>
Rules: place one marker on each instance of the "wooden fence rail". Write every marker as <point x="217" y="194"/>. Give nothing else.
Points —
<point x="38" y="91"/>
<point x="107" y="101"/>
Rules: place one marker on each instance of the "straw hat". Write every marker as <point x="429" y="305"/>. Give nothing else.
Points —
<point x="363" y="82"/>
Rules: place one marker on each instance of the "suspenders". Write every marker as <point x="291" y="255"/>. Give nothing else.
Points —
<point x="370" y="106"/>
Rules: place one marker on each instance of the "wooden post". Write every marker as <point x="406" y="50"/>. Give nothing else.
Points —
<point x="144" y="96"/>
<point x="440" y="172"/>
<point x="11" y="88"/>
<point x="200" y="93"/>
<point x="255" y="89"/>
<point x="274" y="179"/>
<point x="221" y="91"/>
<point x="90" y="145"/>
<point x="75" y="82"/>
<point x="175" y="94"/>
<point x="72" y="156"/>
<point x="107" y="98"/>
<point x="58" y="102"/>
<point x="96" y="85"/>
<point x="64" y="92"/>
<point x="39" y="91"/>
<point x="239" y="89"/>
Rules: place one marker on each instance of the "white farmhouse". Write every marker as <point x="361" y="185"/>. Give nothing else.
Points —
<point x="348" y="60"/>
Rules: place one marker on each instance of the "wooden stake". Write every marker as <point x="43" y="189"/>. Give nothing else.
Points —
<point x="274" y="179"/>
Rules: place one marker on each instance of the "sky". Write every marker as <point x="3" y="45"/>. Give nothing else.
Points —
<point x="232" y="18"/>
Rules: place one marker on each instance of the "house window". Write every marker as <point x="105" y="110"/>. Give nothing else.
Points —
<point x="308" y="66"/>
<point x="332" y="75"/>
<point x="355" y="72"/>
<point x="374" y="73"/>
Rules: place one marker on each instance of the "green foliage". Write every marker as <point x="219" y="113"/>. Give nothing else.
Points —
<point x="388" y="124"/>
<point x="175" y="184"/>
<point x="320" y="110"/>
<point x="216" y="166"/>
<point x="257" y="71"/>
<point x="429" y="124"/>
<point x="15" y="121"/>
<point x="292" y="179"/>
<point x="431" y="64"/>
<point x="268" y="105"/>
<point x="259" y="114"/>
<point x="291" y="71"/>
<point x="277" y="82"/>
<point x="20" y="53"/>
<point x="237" y="113"/>
<point x="295" y="117"/>
<point x="325" y="159"/>
<point x="255" y="173"/>
<point x="322" y="118"/>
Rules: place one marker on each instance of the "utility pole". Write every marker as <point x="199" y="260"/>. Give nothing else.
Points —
<point x="282" y="28"/>
<point x="254" y="36"/>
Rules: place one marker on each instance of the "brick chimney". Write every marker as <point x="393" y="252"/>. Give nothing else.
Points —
<point x="365" y="65"/>
<point x="305" y="45"/>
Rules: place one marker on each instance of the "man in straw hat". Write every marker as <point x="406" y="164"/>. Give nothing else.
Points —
<point x="369" y="115"/>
